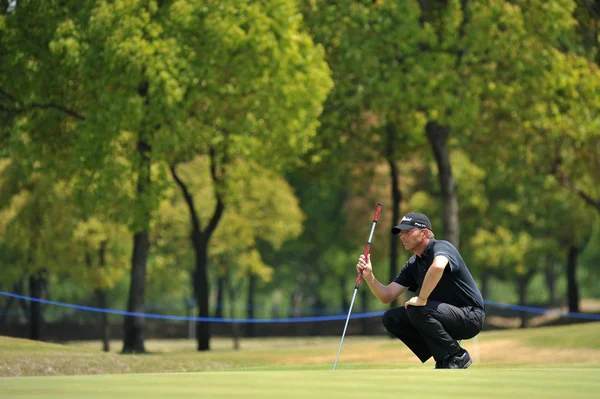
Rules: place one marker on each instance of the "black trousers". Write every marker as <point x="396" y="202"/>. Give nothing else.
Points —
<point x="433" y="329"/>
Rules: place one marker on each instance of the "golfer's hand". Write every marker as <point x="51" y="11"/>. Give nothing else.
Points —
<point x="365" y="265"/>
<point x="415" y="301"/>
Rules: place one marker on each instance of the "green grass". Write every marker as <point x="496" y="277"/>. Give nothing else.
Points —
<point x="381" y="384"/>
<point x="576" y="336"/>
<point x="551" y="362"/>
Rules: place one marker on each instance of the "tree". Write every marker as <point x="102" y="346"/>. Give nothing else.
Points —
<point x="552" y="115"/>
<point x="176" y="78"/>
<point x="372" y="115"/>
<point x="52" y="68"/>
<point x="321" y="257"/>
<point x="262" y="92"/>
<point x="574" y="111"/>
<point x="100" y="247"/>
<point x="37" y="226"/>
<point x="263" y="213"/>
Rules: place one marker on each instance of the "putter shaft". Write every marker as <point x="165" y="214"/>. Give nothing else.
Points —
<point x="345" y="327"/>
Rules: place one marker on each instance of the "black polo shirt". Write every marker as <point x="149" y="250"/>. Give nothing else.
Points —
<point x="456" y="287"/>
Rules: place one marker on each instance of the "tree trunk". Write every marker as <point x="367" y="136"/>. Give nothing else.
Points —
<point x="133" y="340"/>
<point x="235" y="326"/>
<point x="235" y="333"/>
<point x="200" y="240"/>
<point x="36" y="319"/>
<point x="220" y="305"/>
<point x="523" y="282"/>
<point x="23" y="305"/>
<point x="364" y="299"/>
<point x="550" y="277"/>
<point x="103" y="325"/>
<point x="133" y="326"/>
<point x="318" y="306"/>
<point x="396" y="200"/>
<point x="250" y="314"/>
<point x="5" y="309"/>
<point x="522" y="299"/>
<point x="485" y="284"/>
<point x="9" y="302"/>
<point x="438" y="137"/>
<point x="296" y="299"/>
<point x="102" y="298"/>
<point x="201" y="290"/>
<point x="572" y="284"/>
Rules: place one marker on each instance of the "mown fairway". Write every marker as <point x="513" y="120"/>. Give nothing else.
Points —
<point x="552" y="362"/>
<point x="316" y="384"/>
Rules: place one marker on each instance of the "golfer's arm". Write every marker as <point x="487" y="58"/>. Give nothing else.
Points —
<point x="385" y="293"/>
<point x="433" y="276"/>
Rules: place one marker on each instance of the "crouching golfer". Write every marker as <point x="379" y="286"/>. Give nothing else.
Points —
<point x="448" y="306"/>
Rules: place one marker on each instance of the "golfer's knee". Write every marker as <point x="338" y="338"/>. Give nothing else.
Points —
<point x="388" y="320"/>
<point x="415" y="313"/>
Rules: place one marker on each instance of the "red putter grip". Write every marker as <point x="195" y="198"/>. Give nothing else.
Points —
<point x="377" y="211"/>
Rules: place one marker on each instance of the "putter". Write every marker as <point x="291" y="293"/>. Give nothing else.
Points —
<point x="359" y="278"/>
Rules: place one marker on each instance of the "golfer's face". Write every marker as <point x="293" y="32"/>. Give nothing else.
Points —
<point x="411" y="238"/>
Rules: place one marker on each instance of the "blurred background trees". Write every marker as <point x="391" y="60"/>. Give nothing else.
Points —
<point x="226" y="157"/>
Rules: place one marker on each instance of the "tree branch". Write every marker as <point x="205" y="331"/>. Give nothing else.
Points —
<point x="564" y="181"/>
<point x="20" y="107"/>
<point x="195" y="220"/>
<point x="59" y="108"/>
<point x="220" y="207"/>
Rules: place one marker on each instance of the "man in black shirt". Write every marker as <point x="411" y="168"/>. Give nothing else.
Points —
<point x="447" y="307"/>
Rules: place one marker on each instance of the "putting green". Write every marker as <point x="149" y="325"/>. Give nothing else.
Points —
<point x="316" y="384"/>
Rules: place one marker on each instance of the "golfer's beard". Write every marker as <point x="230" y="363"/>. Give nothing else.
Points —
<point x="411" y="244"/>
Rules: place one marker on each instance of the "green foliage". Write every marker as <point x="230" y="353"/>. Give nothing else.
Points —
<point x="490" y="70"/>
<point x="36" y="223"/>
<point x="257" y="81"/>
<point x="373" y="50"/>
<point x="260" y="208"/>
<point x="590" y="257"/>
<point x="340" y="89"/>
<point x="181" y="77"/>
<point x="89" y="238"/>
<point x="544" y="97"/>
<point x="43" y="230"/>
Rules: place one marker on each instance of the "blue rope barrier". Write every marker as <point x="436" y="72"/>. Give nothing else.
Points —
<point x="283" y="320"/>
<point x="543" y="311"/>
<point x="188" y="318"/>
